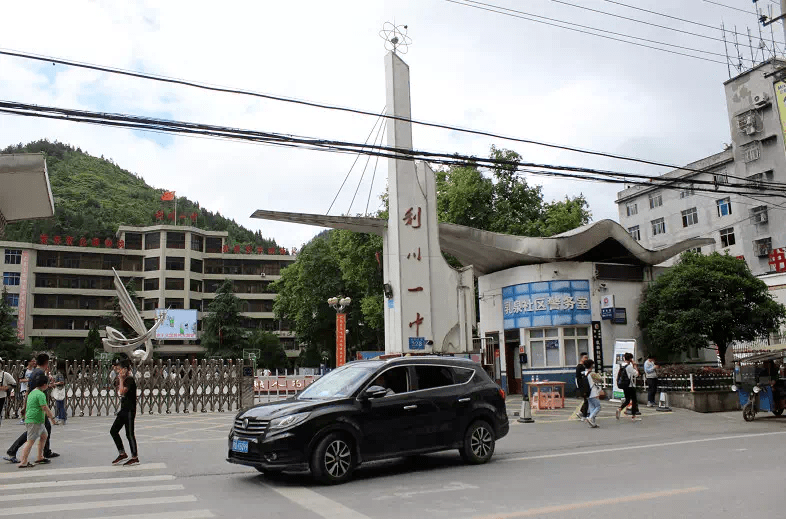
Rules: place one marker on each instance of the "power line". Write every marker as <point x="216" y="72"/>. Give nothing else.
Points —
<point x="363" y="174"/>
<point x="181" y="127"/>
<point x="481" y="133"/>
<point x="636" y="20"/>
<point x="678" y="18"/>
<point x="532" y="18"/>
<point x="356" y="160"/>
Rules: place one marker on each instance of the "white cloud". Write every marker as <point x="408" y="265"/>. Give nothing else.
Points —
<point x="469" y="68"/>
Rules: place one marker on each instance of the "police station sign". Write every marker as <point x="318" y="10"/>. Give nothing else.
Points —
<point x="546" y="303"/>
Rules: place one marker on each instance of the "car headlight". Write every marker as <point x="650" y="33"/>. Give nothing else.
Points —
<point x="734" y="387"/>
<point x="288" y="421"/>
<point x="756" y="389"/>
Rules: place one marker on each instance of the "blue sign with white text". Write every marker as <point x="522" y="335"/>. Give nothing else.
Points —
<point x="546" y="303"/>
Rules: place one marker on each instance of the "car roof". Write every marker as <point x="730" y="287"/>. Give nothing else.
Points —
<point x="419" y="359"/>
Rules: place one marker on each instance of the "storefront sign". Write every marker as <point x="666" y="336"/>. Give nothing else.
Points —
<point x="546" y="303"/>
<point x="597" y="345"/>
<point x="606" y="313"/>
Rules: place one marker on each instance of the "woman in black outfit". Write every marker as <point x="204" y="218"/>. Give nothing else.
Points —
<point x="126" y="415"/>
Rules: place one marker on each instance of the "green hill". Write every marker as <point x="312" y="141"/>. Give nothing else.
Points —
<point x="94" y="196"/>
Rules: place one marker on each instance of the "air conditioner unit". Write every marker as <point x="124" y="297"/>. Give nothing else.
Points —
<point x="760" y="218"/>
<point x="750" y="130"/>
<point x="760" y="99"/>
<point x="762" y="250"/>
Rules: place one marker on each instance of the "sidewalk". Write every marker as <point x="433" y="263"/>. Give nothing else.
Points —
<point x="513" y="405"/>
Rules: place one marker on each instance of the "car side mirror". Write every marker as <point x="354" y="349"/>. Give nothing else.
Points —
<point x="375" y="392"/>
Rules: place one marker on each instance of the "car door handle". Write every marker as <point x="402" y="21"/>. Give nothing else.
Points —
<point x="467" y="399"/>
<point x="408" y="407"/>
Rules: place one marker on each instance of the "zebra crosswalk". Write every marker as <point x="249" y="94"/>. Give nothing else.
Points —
<point x="105" y="491"/>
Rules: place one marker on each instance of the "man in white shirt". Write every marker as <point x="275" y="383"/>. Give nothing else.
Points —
<point x="6" y="383"/>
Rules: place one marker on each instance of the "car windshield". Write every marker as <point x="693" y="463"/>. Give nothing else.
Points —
<point x="339" y="383"/>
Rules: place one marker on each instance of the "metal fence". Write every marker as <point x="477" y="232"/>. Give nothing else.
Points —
<point x="690" y="382"/>
<point x="163" y="387"/>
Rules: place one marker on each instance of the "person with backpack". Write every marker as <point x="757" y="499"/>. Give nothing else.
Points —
<point x="582" y="388"/>
<point x="626" y="381"/>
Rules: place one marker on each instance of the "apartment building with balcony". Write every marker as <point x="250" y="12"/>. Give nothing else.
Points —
<point x="62" y="291"/>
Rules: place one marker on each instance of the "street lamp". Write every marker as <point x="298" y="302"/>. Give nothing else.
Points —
<point x="339" y="304"/>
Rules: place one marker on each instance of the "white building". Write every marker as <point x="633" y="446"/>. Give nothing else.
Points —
<point x="748" y="226"/>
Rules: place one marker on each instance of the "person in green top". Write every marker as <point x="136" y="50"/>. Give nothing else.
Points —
<point x="34" y="422"/>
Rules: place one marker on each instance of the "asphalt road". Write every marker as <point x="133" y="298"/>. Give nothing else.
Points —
<point x="679" y="464"/>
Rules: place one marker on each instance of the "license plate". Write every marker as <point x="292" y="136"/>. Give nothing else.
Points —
<point x="240" y="446"/>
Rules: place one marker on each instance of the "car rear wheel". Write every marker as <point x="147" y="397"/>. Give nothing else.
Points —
<point x="479" y="442"/>
<point x="333" y="459"/>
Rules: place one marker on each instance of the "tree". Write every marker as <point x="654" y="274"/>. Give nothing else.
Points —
<point x="72" y="350"/>
<point x="10" y="345"/>
<point x="701" y="299"/>
<point x="93" y="343"/>
<point x="271" y="353"/>
<point x="223" y="334"/>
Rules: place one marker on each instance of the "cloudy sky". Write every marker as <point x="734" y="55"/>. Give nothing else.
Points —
<point x="469" y="68"/>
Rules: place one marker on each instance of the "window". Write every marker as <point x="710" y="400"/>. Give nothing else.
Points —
<point x="727" y="237"/>
<point x="429" y="377"/>
<point x="133" y="241"/>
<point x="196" y="242"/>
<point x="545" y="348"/>
<point x="462" y="375"/>
<point x="632" y="208"/>
<point x="635" y="232"/>
<point x="720" y="178"/>
<point x="196" y="266"/>
<point x="656" y="200"/>
<point x="396" y="379"/>
<point x="150" y="284"/>
<point x="152" y="240"/>
<point x="195" y="304"/>
<point x="759" y="214"/>
<point x="152" y="263"/>
<point x="724" y="206"/>
<point x="72" y="261"/>
<point x="150" y="304"/>
<point x="175" y="263"/>
<point x="175" y="284"/>
<point x="12" y="299"/>
<point x="689" y="191"/>
<point x="762" y="247"/>
<point x="213" y="245"/>
<point x="174" y="303"/>
<point x="697" y="250"/>
<point x="196" y="285"/>
<point x="13" y="256"/>
<point x="690" y="217"/>
<point x="11" y="278"/>
<point x="750" y="153"/>
<point x="176" y="240"/>
<point x="576" y="341"/>
<point x="658" y="226"/>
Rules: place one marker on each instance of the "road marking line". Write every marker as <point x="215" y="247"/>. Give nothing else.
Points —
<point x="97" y="492"/>
<point x="646" y="446"/>
<point x="585" y="504"/>
<point x="86" y="482"/>
<point x="91" y="505"/>
<point x="187" y="514"/>
<point x="317" y="503"/>
<point x="35" y="473"/>
<point x="450" y="487"/>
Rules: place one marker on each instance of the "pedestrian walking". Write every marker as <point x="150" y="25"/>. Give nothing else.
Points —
<point x="582" y="388"/>
<point x="42" y="367"/>
<point x="31" y="365"/>
<point x="36" y="414"/>
<point x="594" y="382"/>
<point x="126" y="416"/>
<point x="651" y="374"/>
<point x="6" y="383"/>
<point x="626" y="380"/>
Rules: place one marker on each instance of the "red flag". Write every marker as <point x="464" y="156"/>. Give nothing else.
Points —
<point x="168" y="195"/>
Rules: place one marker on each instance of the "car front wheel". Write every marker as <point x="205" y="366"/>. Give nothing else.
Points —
<point x="333" y="459"/>
<point x="479" y="442"/>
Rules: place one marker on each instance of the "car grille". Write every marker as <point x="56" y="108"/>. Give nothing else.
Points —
<point x="251" y="425"/>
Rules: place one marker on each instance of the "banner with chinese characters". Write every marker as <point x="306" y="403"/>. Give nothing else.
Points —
<point x="341" y="339"/>
<point x="546" y="303"/>
<point x="780" y="95"/>
<point x="178" y="324"/>
<point x="21" y="315"/>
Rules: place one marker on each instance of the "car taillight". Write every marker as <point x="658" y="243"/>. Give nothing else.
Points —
<point x="502" y="393"/>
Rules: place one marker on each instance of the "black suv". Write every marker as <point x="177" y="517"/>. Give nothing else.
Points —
<point x="370" y="410"/>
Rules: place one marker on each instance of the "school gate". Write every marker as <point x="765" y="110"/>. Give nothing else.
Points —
<point x="163" y="387"/>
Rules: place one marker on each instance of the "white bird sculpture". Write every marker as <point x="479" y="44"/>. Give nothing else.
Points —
<point x="116" y="342"/>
